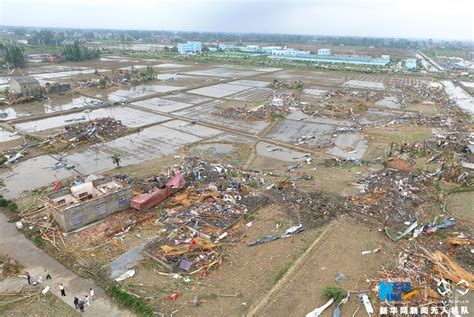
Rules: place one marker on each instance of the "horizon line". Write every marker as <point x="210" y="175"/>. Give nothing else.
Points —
<point x="234" y="32"/>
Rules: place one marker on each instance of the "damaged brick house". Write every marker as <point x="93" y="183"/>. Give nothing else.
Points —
<point x="88" y="202"/>
<point x="25" y="86"/>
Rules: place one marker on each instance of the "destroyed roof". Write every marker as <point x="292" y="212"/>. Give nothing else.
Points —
<point x="25" y="80"/>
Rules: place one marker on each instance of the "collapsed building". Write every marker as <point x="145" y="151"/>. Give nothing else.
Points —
<point x="149" y="200"/>
<point x="82" y="204"/>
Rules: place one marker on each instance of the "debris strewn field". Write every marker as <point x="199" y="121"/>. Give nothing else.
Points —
<point x="254" y="190"/>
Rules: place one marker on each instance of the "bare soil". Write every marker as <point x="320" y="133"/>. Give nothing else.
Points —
<point x="247" y="273"/>
<point x="338" y="252"/>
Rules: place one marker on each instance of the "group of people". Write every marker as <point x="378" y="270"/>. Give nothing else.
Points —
<point x="40" y="279"/>
<point x="80" y="303"/>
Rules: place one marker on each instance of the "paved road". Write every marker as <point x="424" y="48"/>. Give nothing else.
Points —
<point x="17" y="246"/>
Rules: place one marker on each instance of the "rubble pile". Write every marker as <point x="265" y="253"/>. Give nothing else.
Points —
<point x="102" y="129"/>
<point x="434" y="278"/>
<point x="311" y="209"/>
<point x="276" y="105"/>
<point x="9" y="267"/>
<point x="286" y="84"/>
<point x="13" y="99"/>
<point x="393" y="197"/>
<point x="430" y="93"/>
<point x="98" y="130"/>
<point x="335" y="109"/>
<point x="57" y="88"/>
<point x="452" y="151"/>
<point x="196" y="219"/>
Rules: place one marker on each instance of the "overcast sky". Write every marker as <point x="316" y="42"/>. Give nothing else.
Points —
<point x="448" y="19"/>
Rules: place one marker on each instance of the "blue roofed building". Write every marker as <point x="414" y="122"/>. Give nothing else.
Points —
<point x="189" y="47"/>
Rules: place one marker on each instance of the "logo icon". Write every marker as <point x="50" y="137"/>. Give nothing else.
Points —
<point x="393" y="291"/>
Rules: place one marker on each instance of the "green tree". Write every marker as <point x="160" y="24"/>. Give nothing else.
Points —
<point x="44" y="37"/>
<point x="116" y="159"/>
<point x="148" y="74"/>
<point x="14" y="56"/>
<point x="102" y="83"/>
<point x="75" y="52"/>
<point x="12" y="207"/>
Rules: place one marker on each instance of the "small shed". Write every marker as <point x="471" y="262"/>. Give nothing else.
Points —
<point x="25" y="86"/>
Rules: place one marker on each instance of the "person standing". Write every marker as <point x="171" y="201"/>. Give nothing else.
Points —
<point x="61" y="288"/>
<point x="91" y="294"/>
<point x="28" y="278"/>
<point x="88" y="302"/>
<point x="76" y="302"/>
<point x="81" y="305"/>
<point x="48" y="276"/>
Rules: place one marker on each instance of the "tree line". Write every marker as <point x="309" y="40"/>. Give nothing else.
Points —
<point x="15" y="55"/>
<point x="75" y="52"/>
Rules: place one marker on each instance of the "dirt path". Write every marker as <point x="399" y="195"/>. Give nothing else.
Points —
<point x="36" y="261"/>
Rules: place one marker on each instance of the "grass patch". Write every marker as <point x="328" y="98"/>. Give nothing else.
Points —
<point x="463" y="189"/>
<point x="12" y="207"/>
<point x="282" y="272"/>
<point x="277" y="115"/>
<point x="286" y="267"/>
<point x="3" y="202"/>
<point x="38" y="241"/>
<point x="130" y="301"/>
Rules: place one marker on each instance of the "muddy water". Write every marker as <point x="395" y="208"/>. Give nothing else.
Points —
<point x="140" y="91"/>
<point x="289" y="131"/>
<point x="187" y="98"/>
<point x="223" y="72"/>
<point x="66" y="74"/>
<point x="462" y="98"/>
<point x="194" y="129"/>
<point x="279" y="153"/>
<point x="130" y="117"/>
<point x="349" y="146"/>
<point x="5" y="136"/>
<point x="31" y="174"/>
<point x="151" y="143"/>
<point x="219" y="150"/>
<point x="169" y="65"/>
<point x="315" y="92"/>
<point x="70" y="103"/>
<point x="162" y="105"/>
<point x="388" y="102"/>
<point x="364" y="84"/>
<point x="8" y="113"/>
<point x="220" y="90"/>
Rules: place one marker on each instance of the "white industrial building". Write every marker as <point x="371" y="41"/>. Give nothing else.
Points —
<point x="189" y="47"/>
<point x="288" y="51"/>
<point x="324" y="51"/>
<point x="224" y="47"/>
<point x="270" y="49"/>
